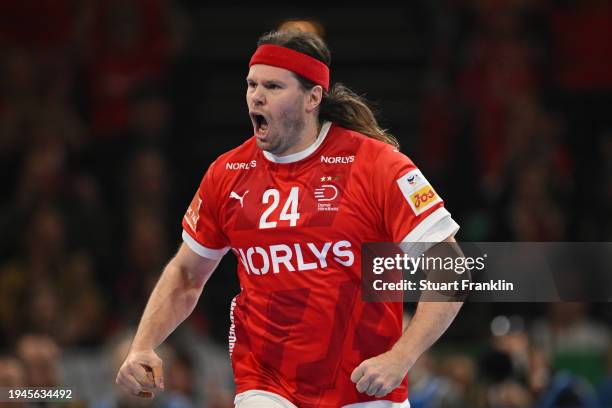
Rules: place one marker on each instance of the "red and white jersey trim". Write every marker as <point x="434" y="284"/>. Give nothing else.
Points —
<point x="201" y="250"/>
<point x="271" y="399"/>
<point x="292" y="158"/>
<point x="435" y="228"/>
<point x="379" y="404"/>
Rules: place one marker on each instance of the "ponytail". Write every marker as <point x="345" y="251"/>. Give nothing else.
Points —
<point x="349" y="110"/>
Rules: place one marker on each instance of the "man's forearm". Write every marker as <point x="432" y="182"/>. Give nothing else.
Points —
<point x="429" y="322"/>
<point x="171" y="302"/>
<point x="432" y="318"/>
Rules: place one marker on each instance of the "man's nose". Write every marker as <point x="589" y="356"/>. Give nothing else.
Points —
<point x="258" y="96"/>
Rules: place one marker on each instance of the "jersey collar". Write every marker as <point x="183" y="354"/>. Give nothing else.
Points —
<point x="291" y="158"/>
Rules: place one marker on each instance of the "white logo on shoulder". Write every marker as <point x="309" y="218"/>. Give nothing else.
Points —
<point x="240" y="165"/>
<point x="337" y="159"/>
<point x="235" y="195"/>
<point x="418" y="192"/>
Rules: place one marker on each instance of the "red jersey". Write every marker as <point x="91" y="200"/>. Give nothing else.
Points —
<point x="296" y="224"/>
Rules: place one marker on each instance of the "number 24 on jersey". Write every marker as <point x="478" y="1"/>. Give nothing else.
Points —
<point x="288" y="212"/>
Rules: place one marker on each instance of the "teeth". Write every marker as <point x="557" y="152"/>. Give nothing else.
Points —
<point x="260" y="122"/>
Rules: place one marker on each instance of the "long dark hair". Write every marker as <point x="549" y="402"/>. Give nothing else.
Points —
<point x="340" y="105"/>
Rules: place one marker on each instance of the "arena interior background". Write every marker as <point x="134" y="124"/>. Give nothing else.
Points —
<point x="110" y="112"/>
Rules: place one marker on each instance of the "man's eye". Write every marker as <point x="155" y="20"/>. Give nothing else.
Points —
<point x="273" y="86"/>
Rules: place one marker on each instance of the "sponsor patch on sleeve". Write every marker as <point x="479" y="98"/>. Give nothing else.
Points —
<point x="193" y="212"/>
<point x="418" y="192"/>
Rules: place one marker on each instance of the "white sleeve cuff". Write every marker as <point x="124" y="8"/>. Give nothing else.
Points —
<point x="435" y="228"/>
<point x="201" y="250"/>
<point x="444" y="228"/>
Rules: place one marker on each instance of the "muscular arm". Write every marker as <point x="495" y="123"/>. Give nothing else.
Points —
<point x="430" y="321"/>
<point x="171" y="302"/>
<point x="174" y="297"/>
<point x="381" y="374"/>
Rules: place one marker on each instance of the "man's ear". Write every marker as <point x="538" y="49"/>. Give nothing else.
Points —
<point x="313" y="98"/>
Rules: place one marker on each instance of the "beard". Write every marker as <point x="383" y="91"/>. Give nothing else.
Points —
<point x="285" y="132"/>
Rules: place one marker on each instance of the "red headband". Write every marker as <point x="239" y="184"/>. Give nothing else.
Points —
<point x="297" y="62"/>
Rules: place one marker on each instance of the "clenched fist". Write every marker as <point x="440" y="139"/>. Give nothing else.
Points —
<point x="141" y="373"/>
<point x="378" y="376"/>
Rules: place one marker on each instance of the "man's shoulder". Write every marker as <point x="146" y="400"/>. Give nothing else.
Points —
<point x="371" y="150"/>
<point x="243" y="157"/>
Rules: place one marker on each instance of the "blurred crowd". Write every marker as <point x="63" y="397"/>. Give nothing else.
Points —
<point x="563" y="359"/>
<point x="95" y="99"/>
<point x="517" y="108"/>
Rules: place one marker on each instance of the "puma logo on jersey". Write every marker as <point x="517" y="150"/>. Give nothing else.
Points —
<point x="235" y="195"/>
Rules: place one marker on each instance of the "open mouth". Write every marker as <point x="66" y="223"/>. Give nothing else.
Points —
<point x="260" y="123"/>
